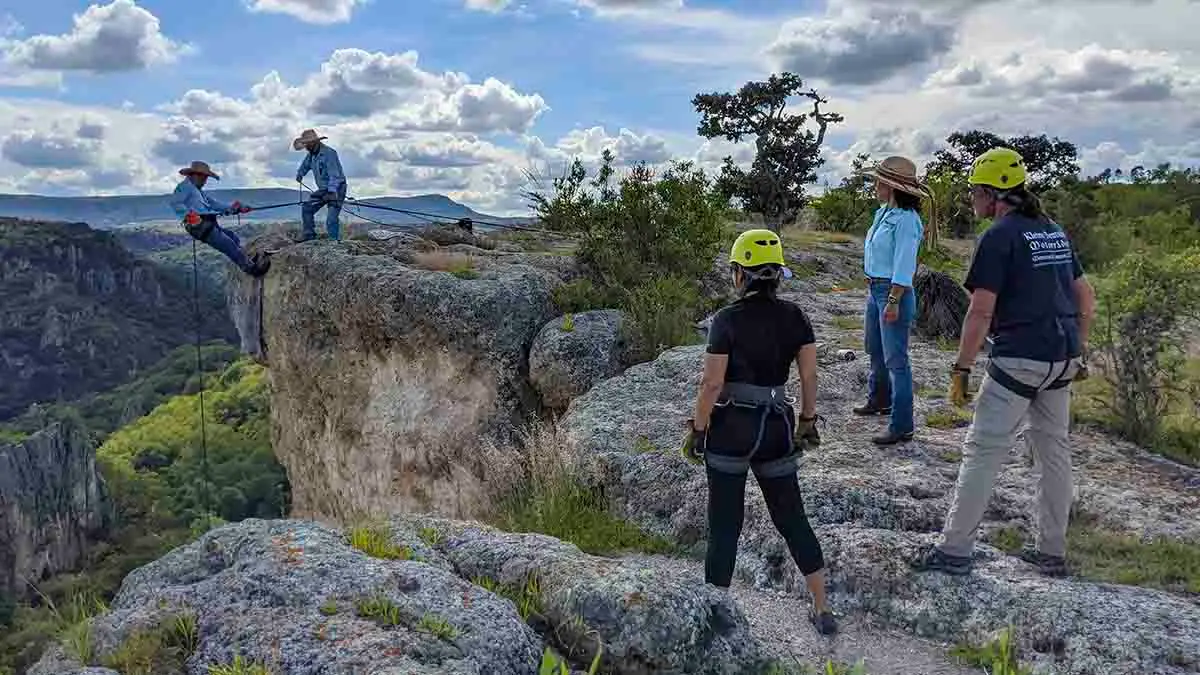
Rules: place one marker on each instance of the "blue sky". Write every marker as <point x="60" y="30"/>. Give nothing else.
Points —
<point x="461" y="96"/>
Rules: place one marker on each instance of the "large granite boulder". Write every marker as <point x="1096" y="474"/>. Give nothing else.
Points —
<point x="52" y="505"/>
<point x="293" y="595"/>
<point x="574" y="352"/>
<point x="386" y="373"/>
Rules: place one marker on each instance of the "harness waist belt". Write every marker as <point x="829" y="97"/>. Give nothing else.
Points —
<point x="1020" y="388"/>
<point x="755" y="395"/>
<point x="770" y="400"/>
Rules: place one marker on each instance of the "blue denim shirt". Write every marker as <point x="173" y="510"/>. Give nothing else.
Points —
<point x="326" y="168"/>
<point x="188" y="197"/>
<point x="892" y="244"/>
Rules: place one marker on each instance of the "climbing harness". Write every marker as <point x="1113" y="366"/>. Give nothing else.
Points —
<point x="769" y="401"/>
<point x="1024" y="390"/>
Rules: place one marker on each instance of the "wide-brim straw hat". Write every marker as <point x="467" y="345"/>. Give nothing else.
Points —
<point x="198" y="168"/>
<point x="309" y="136"/>
<point x="899" y="173"/>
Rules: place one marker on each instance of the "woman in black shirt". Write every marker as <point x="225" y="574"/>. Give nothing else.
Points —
<point x="744" y="418"/>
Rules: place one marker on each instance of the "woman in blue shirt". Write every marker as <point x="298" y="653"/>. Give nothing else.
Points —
<point x="890" y="261"/>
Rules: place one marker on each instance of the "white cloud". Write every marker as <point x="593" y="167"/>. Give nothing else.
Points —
<point x="310" y="11"/>
<point x="57" y="149"/>
<point x="860" y="45"/>
<point x="488" y="5"/>
<point x="114" y="37"/>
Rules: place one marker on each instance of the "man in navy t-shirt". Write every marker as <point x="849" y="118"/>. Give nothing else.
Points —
<point x="1030" y="299"/>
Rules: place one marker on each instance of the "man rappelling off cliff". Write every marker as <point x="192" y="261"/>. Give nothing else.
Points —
<point x="199" y="212"/>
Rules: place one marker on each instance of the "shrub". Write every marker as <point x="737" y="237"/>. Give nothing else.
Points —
<point x="662" y="315"/>
<point x="644" y="239"/>
<point x="1144" y="305"/>
<point x="848" y="207"/>
<point x="164" y="648"/>
<point x="380" y="609"/>
<point x="437" y="627"/>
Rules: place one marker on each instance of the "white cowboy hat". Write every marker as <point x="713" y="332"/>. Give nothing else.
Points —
<point x="200" y="168"/>
<point x="309" y="136"/>
<point x="900" y="173"/>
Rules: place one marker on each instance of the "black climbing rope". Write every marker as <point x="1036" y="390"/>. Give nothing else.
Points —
<point x="205" y="502"/>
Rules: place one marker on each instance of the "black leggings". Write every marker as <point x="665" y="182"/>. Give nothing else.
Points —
<point x="726" y="507"/>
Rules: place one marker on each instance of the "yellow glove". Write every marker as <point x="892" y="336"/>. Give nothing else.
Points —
<point x="1082" y="373"/>
<point x="692" y="448"/>
<point x="960" y="380"/>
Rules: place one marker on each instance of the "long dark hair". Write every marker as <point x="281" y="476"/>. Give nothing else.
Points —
<point x="1025" y="203"/>
<point x="907" y="201"/>
<point x="759" y="279"/>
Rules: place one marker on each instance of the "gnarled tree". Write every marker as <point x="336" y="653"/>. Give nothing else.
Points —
<point x="787" y="148"/>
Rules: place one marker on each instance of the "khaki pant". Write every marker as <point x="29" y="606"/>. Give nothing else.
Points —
<point x="998" y="415"/>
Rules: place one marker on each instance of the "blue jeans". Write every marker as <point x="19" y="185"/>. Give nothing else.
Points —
<point x="228" y="243"/>
<point x="887" y="343"/>
<point x="309" y="210"/>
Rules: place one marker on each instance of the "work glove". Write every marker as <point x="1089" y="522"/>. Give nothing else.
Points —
<point x="960" y="380"/>
<point x="806" y="432"/>
<point x="192" y="218"/>
<point x="1082" y="374"/>
<point x="693" y="448"/>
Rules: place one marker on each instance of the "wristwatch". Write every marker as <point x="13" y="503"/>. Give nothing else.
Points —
<point x="893" y="300"/>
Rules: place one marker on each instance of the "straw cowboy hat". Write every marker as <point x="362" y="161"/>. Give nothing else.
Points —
<point x="200" y="168"/>
<point x="899" y="173"/>
<point x="309" y="136"/>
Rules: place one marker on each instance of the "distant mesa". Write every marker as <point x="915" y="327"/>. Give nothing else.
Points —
<point x="123" y="211"/>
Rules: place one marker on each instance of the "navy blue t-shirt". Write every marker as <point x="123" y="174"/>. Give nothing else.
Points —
<point x="1030" y="266"/>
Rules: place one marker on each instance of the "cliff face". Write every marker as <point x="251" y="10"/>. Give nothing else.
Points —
<point x="81" y="314"/>
<point x="387" y="376"/>
<point x="51" y="505"/>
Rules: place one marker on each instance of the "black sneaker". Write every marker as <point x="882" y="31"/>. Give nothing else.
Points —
<point x="891" y="438"/>
<point x="873" y="409"/>
<point x="825" y="623"/>
<point x="1049" y="565"/>
<point x="933" y="560"/>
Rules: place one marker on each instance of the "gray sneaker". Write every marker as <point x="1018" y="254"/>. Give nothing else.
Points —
<point x="1049" y="565"/>
<point x="934" y="560"/>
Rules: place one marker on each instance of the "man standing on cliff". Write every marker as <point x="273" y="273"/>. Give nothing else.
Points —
<point x="323" y="161"/>
<point x="199" y="212"/>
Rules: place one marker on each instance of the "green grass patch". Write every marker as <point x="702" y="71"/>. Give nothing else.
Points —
<point x="1008" y="539"/>
<point x="437" y="627"/>
<point x="582" y="295"/>
<point x="380" y="609"/>
<point x="793" y="238"/>
<point x="948" y="417"/>
<point x="1101" y="555"/>
<point x="831" y="667"/>
<point x="465" y="274"/>
<point x="240" y="666"/>
<point x="568" y="323"/>
<point x="642" y="445"/>
<point x="164" y="648"/>
<point x="998" y="657"/>
<point x="848" y="322"/>
<point x="376" y="541"/>
<point x="946" y="344"/>
<point x="1179" y="437"/>
<point x="527" y="596"/>
<point x="579" y="515"/>
<point x="431" y="536"/>
<point x="329" y="607"/>
<point x="952" y="456"/>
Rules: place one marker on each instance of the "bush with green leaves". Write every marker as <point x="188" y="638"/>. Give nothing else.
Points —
<point x="1141" y="337"/>
<point x="643" y="238"/>
<point x="848" y="207"/>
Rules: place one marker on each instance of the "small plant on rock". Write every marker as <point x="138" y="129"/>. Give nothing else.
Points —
<point x="998" y="657"/>
<point x="438" y="627"/>
<point x="240" y="666"/>
<point x="554" y="664"/>
<point x="431" y="536"/>
<point x="380" y="609"/>
<point x="948" y="417"/>
<point x="376" y="541"/>
<point x="568" y="323"/>
<point x="329" y="607"/>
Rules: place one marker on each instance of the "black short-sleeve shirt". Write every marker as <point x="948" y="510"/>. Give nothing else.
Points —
<point x="762" y="336"/>
<point x="1030" y="265"/>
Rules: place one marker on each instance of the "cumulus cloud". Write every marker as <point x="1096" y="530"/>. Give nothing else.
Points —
<point x="186" y="140"/>
<point x="309" y="11"/>
<point x="118" y="36"/>
<point x="860" y="45"/>
<point x="437" y="151"/>
<point x="1093" y="71"/>
<point x="488" y="5"/>
<point x="589" y="144"/>
<point x="72" y="147"/>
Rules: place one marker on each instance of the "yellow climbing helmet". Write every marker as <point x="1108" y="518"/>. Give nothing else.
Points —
<point x="1001" y="168"/>
<point x="757" y="247"/>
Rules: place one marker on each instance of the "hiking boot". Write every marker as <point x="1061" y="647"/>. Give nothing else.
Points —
<point x="874" y="408"/>
<point x="933" y="560"/>
<point x="890" y="437"/>
<point x="825" y="623"/>
<point x="1049" y="565"/>
<point x="259" y="266"/>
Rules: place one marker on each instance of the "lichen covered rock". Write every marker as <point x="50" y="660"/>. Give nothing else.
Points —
<point x="572" y="353"/>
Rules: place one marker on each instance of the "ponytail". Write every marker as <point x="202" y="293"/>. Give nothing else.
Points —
<point x="1025" y="203"/>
